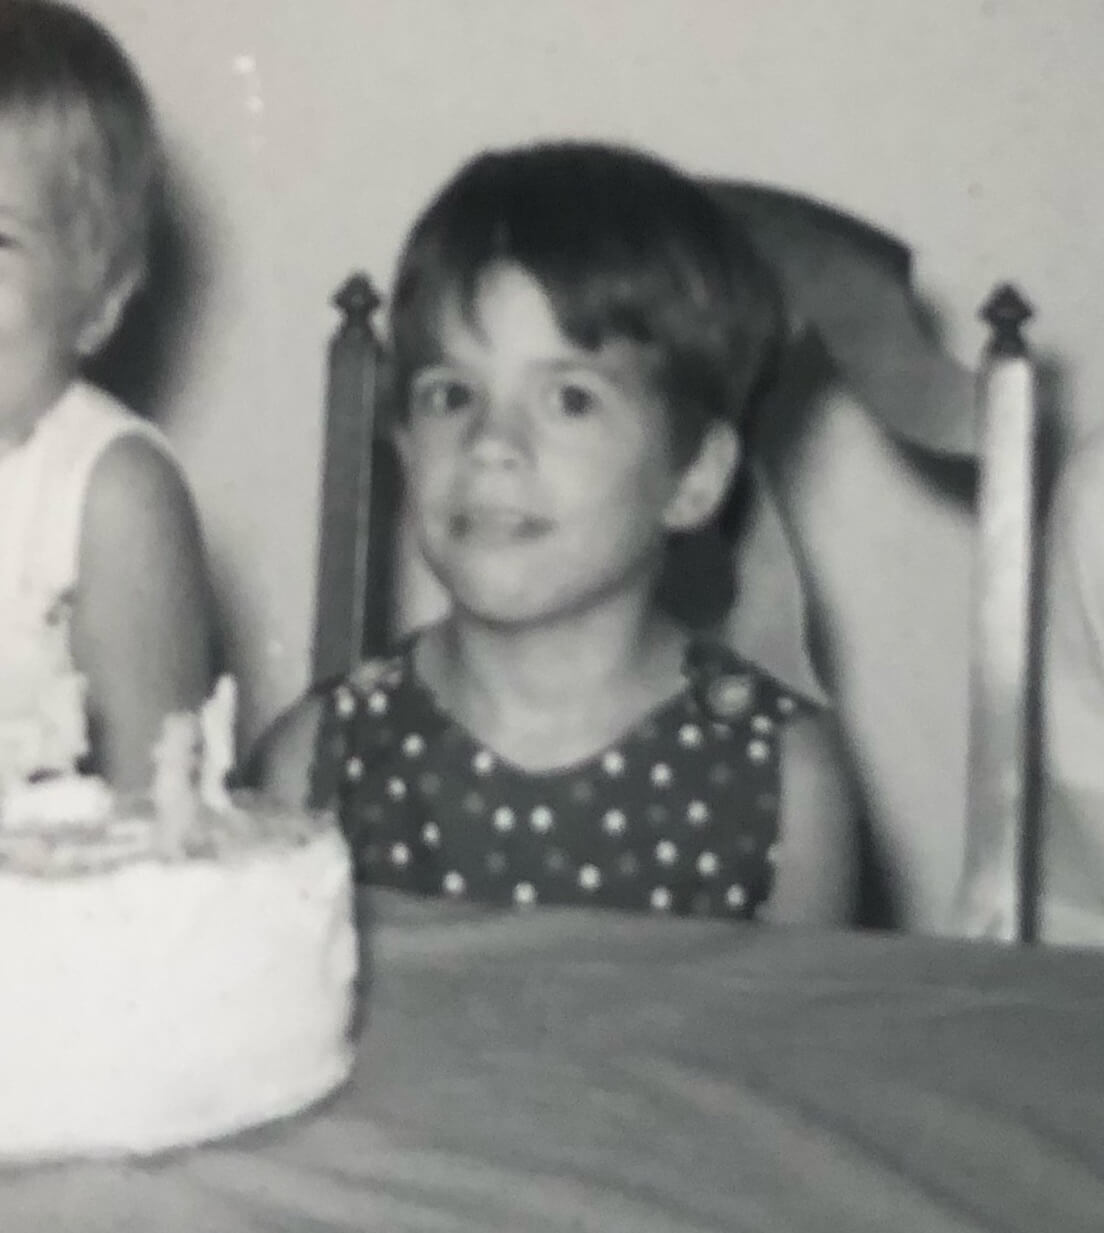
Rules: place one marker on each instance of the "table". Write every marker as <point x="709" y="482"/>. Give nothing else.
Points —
<point x="567" y="1070"/>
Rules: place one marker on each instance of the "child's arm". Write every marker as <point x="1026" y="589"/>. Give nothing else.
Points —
<point x="281" y="763"/>
<point x="816" y="872"/>
<point x="142" y="630"/>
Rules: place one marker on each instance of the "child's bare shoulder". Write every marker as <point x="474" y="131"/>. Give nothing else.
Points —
<point x="139" y="518"/>
<point x="135" y="471"/>
<point x="818" y="854"/>
<point x="283" y="762"/>
<point x="814" y="754"/>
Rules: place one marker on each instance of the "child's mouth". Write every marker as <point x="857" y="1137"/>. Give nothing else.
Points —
<point x="497" y="525"/>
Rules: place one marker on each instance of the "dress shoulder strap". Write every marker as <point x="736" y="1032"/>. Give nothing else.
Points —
<point x="68" y="443"/>
<point x="729" y="688"/>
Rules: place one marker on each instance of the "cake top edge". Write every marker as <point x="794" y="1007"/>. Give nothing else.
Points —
<point x="132" y="833"/>
<point x="66" y="822"/>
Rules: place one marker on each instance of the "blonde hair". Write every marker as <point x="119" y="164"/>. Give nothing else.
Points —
<point x="89" y="125"/>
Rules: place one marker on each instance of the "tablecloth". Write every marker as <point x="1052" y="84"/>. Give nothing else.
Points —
<point x="565" y="1070"/>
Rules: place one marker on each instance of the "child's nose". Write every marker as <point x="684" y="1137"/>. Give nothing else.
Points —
<point x="498" y="433"/>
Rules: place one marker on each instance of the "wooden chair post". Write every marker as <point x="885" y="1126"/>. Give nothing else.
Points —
<point x="345" y="516"/>
<point x="992" y="901"/>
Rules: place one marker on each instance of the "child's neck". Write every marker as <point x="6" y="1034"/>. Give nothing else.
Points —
<point x="17" y="427"/>
<point x="552" y="695"/>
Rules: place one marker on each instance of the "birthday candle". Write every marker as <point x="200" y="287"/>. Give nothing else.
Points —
<point x="217" y="720"/>
<point x="174" y="793"/>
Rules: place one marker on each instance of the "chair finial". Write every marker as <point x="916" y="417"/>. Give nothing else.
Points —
<point x="1006" y="311"/>
<point x="357" y="298"/>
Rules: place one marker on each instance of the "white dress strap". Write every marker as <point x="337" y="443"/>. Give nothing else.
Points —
<point x="69" y="443"/>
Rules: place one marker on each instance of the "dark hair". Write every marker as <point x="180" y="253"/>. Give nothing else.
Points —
<point x="72" y="85"/>
<point x="624" y="246"/>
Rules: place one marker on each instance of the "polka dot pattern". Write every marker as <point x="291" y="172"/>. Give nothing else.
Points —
<point x="661" y="775"/>
<point x="542" y="819"/>
<point x="614" y="822"/>
<point x="344" y="702"/>
<point x="414" y="745"/>
<point x="680" y="815"/>
<point x="666" y="853"/>
<point x="590" y="877"/>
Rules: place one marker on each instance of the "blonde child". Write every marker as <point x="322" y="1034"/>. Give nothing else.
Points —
<point x="103" y="594"/>
<point x="577" y="332"/>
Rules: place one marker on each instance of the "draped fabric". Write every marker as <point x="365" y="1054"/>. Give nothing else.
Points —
<point x="571" y="1070"/>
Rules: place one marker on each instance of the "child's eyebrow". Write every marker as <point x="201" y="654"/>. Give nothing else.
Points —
<point x="613" y="360"/>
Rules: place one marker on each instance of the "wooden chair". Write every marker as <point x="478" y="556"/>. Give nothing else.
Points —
<point x="883" y="560"/>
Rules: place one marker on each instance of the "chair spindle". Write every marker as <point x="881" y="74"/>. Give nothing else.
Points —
<point x="345" y="517"/>
<point x="992" y="901"/>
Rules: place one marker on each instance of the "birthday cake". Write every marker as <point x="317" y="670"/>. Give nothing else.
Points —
<point x="174" y="969"/>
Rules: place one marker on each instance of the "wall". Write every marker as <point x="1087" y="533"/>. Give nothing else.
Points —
<point x="304" y="137"/>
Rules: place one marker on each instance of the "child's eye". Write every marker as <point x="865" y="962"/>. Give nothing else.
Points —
<point x="441" y="396"/>
<point x="575" y="400"/>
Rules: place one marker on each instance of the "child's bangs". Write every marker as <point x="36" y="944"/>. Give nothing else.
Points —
<point x="606" y="273"/>
<point x="624" y="248"/>
<point x="601" y="285"/>
<point x="88" y="130"/>
<point x="100" y="222"/>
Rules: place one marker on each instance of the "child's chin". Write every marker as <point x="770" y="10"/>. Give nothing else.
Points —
<point x="492" y="593"/>
<point x="502" y="614"/>
<point x="505" y="609"/>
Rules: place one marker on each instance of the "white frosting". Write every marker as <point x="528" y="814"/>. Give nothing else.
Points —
<point x="66" y="800"/>
<point x="159" y="1004"/>
<point x="42" y="722"/>
<point x="173" y="969"/>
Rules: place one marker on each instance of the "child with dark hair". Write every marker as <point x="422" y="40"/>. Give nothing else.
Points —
<point x="577" y="332"/>
<point x="103" y="595"/>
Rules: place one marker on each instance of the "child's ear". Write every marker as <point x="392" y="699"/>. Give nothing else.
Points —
<point x="704" y="483"/>
<point x="102" y="318"/>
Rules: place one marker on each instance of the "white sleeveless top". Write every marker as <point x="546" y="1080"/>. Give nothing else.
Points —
<point x="43" y="486"/>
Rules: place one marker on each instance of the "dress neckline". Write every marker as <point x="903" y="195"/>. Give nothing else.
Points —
<point x="698" y="654"/>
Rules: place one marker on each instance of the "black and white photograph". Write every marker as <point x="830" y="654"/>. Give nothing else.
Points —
<point x="551" y="616"/>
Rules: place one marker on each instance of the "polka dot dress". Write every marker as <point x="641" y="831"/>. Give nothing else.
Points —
<point x="680" y="815"/>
